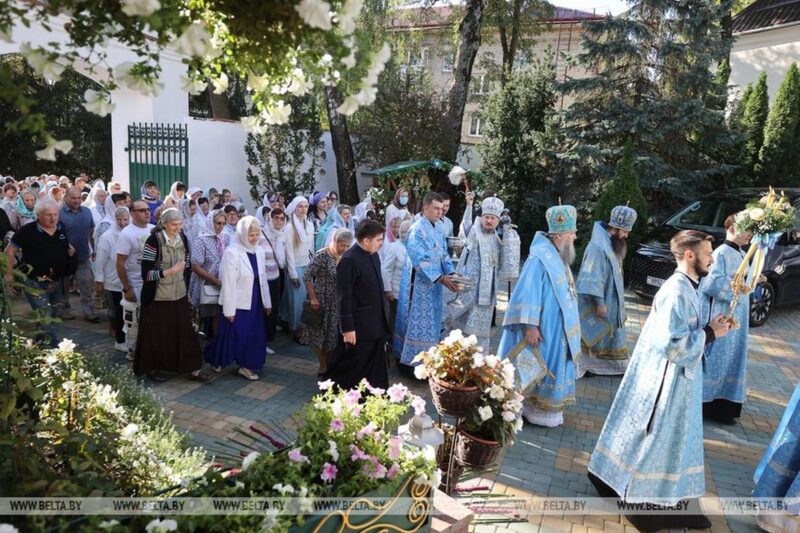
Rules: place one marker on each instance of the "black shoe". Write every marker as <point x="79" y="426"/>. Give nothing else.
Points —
<point x="155" y="376"/>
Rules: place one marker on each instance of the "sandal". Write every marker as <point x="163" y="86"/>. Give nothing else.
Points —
<point x="199" y="375"/>
<point x="248" y="374"/>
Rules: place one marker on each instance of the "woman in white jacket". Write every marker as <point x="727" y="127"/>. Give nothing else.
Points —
<point x="392" y="265"/>
<point x="106" y="277"/>
<point x="244" y="296"/>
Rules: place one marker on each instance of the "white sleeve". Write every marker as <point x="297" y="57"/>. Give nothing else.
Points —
<point x="103" y="256"/>
<point x="290" y="268"/>
<point x="123" y="245"/>
<point x="228" y="272"/>
<point x="387" y="266"/>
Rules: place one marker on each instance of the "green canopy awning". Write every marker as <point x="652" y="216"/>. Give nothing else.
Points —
<point x="412" y="166"/>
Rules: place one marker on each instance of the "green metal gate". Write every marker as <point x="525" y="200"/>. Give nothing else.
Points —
<point x="158" y="152"/>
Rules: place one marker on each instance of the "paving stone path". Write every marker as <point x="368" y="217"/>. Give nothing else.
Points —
<point x="543" y="462"/>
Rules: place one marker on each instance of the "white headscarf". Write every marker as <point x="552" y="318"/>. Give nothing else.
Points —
<point x="190" y="227"/>
<point x="242" y="231"/>
<point x="109" y="218"/>
<point x="208" y="229"/>
<point x="260" y="214"/>
<point x="98" y="210"/>
<point x="295" y="222"/>
<point x="173" y="191"/>
<point x="193" y="190"/>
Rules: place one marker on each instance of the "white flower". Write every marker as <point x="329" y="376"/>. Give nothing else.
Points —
<point x="436" y="479"/>
<point x="41" y="62"/>
<point x="419" y="405"/>
<point x="277" y="113"/>
<point x="429" y="452"/>
<point x="66" y="345"/>
<point x="478" y="360"/>
<point x="350" y="60"/>
<point x="161" y="525"/>
<point x="757" y="214"/>
<point x="8" y="528"/>
<point x="298" y="85"/>
<point x="253" y="125"/>
<point x="485" y="413"/>
<point x="107" y="524"/>
<point x="98" y="102"/>
<point x="220" y="84"/>
<point x="140" y="8"/>
<point x="193" y="86"/>
<point x="49" y="153"/>
<point x="249" y="459"/>
<point x="349" y="106"/>
<point x="384" y="54"/>
<point x="518" y="424"/>
<point x="454" y="337"/>
<point x="325" y="385"/>
<point x="283" y="489"/>
<point x="5" y="35"/>
<point x="239" y="485"/>
<point x="496" y="392"/>
<point x="128" y="431"/>
<point x="68" y="386"/>
<point x="421" y="372"/>
<point x="194" y="41"/>
<point x="134" y="81"/>
<point x="333" y="451"/>
<point x="367" y="94"/>
<point x="509" y="374"/>
<point x="491" y="361"/>
<point x="257" y="83"/>
<point x="271" y="518"/>
<point x="349" y="14"/>
<point x="315" y="13"/>
<point x="508" y="416"/>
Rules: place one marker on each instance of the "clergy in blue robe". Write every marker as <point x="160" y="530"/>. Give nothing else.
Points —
<point x="601" y="295"/>
<point x="420" y="306"/>
<point x="725" y="367"/>
<point x="651" y="446"/>
<point x="543" y="313"/>
<point x="778" y="473"/>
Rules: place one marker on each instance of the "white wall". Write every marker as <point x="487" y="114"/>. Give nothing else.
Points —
<point x="771" y="50"/>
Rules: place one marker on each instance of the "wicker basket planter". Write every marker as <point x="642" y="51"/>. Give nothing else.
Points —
<point x="453" y="400"/>
<point x="475" y="452"/>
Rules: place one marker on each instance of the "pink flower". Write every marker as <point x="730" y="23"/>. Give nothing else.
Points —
<point x="357" y="454"/>
<point x="337" y="425"/>
<point x="351" y="397"/>
<point x="419" y="405"/>
<point x="395" y="448"/>
<point x="369" y="429"/>
<point x="377" y="391"/>
<point x="393" y="470"/>
<point x="357" y="409"/>
<point x="298" y="457"/>
<point x="329" y="472"/>
<point x="397" y="392"/>
<point x="373" y="468"/>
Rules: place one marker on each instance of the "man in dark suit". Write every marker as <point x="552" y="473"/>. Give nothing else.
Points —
<point x="363" y="322"/>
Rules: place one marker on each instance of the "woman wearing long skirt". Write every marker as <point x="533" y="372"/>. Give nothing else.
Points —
<point x="275" y="252"/>
<point x="300" y="245"/>
<point x="242" y="337"/>
<point x="207" y="253"/>
<point x="320" y="280"/>
<point x="166" y="340"/>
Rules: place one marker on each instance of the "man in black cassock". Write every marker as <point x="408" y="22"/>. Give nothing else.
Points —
<point x="362" y="310"/>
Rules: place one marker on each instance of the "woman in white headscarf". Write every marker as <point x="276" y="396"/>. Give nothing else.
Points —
<point x="177" y="192"/>
<point x="273" y="242"/>
<point x="207" y="251"/>
<point x="245" y="301"/>
<point x="105" y="273"/>
<point x="96" y="202"/>
<point x="188" y="209"/>
<point x="55" y="193"/>
<point x="300" y="244"/>
<point x="108" y="221"/>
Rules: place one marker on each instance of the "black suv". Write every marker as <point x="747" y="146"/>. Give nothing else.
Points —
<point x="652" y="262"/>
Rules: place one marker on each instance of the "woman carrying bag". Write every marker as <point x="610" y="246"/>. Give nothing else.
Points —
<point x="205" y="286"/>
<point x="245" y="300"/>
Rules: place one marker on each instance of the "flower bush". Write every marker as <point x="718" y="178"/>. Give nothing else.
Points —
<point x="771" y="214"/>
<point x="345" y="447"/>
<point x="459" y="360"/>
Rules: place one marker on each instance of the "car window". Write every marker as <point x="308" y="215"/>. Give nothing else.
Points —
<point x="706" y="214"/>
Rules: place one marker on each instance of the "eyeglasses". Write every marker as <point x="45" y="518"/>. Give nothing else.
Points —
<point x="141" y="210"/>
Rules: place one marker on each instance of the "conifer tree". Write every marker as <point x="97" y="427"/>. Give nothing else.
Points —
<point x="754" y="119"/>
<point x="779" y="154"/>
<point x="738" y="107"/>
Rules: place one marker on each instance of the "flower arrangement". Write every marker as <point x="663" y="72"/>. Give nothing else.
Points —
<point x="768" y="215"/>
<point x="457" y="360"/>
<point x="345" y="447"/>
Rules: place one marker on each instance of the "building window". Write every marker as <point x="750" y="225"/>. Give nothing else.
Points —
<point x="483" y="85"/>
<point x="418" y="58"/>
<point x="475" y="126"/>
<point x="447" y="64"/>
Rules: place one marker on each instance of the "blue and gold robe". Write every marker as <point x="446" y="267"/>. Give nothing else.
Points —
<point x="604" y="346"/>
<point x="651" y="445"/>
<point x="420" y="305"/>
<point x="725" y="367"/>
<point x="545" y="297"/>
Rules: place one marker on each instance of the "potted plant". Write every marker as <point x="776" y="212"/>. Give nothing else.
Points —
<point x="452" y="374"/>
<point x="495" y="419"/>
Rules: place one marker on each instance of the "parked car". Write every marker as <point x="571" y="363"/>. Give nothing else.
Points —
<point x="652" y="263"/>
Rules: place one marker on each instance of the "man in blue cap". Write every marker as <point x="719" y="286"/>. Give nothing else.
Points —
<point x="601" y="296"/>
<point x="542" y="319"/>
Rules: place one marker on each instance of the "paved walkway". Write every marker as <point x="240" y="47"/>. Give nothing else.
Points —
<point x="543" y="462"/>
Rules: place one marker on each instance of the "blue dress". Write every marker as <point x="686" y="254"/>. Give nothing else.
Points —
<point x="244" y="341"/>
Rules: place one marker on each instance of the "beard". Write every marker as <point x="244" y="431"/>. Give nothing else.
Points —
<point x="487" y="230"/>
<point x="699" y="268"/>
<point x="619" y="247"/>
<point x="567" y="252"/>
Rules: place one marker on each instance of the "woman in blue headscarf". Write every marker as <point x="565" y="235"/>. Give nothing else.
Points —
<point x="341" y="217"/>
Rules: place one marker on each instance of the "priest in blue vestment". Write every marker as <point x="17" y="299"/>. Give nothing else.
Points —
<point x="601" y="295"/>
<point x="725" y="367"/>
<point x="420" y="306"/>
<point x="542" y="318"/>
<point x="651" y="446"/>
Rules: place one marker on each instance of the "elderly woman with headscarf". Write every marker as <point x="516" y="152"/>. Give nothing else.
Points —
<point x="320" y="281"/>
<point x="361" y="210"/>
<point x="105" y="274"/>
<point x="188" y="209"/>
<point x="114" y="187"/>
<point x="55" y="193"/>
<point x="245" y="300"/>
<point x="109" y="219"/>
<point x="207" y="252"/>
<point x="166" y="340"/>
<point x="96" y="202"/>
<point x="393" y="262"/>
<point x="342" y="217"/>
<point x="23" y="212"/>
<point x="277" y="262"/>
<point x="300" y="245"/>
<point x="399" y="207"/>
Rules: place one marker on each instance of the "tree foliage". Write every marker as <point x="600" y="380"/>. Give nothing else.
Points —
<point x="779" y="156"/>
<point x="515" y="155"/>
<point x="653" y="82"/>
<point x="61" y="103"/>
<point x="754" y="119"/>
<point x="404" y="123"/>
<point x="287" y="157"/>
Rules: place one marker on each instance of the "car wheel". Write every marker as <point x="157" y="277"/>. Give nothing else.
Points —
<point x="761" y="308"/>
